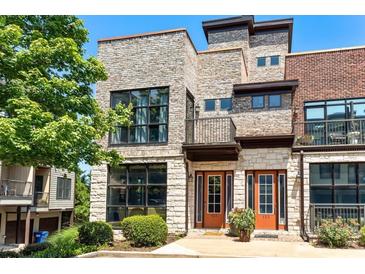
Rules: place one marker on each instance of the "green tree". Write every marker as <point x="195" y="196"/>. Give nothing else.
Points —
<point x="82" y="198"/>
<point x="48" y="114"/>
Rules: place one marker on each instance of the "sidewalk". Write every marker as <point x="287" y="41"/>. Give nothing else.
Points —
<point x="231" y="247"/>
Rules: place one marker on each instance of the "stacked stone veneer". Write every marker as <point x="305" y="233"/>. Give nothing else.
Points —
<point x="170" y="59"/>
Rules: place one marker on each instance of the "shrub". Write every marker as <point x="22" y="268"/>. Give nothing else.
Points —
<point x="32" y="248"/>
<point x="148" y="230"/>
<point x="9" y="254"/>
<point x="334" y="233"/>
<point x="95" y="233"/>
<point x="362" y="236"/>
<point x="243" y="219"/>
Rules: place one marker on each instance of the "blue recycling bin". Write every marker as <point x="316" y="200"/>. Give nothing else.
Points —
<point x="40" y="236"/>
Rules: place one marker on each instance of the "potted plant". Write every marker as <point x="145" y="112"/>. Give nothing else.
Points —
<point x="244" y="220"/>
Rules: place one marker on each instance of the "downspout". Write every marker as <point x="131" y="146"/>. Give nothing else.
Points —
<point x="303" y="232"/>
<point x="186" y="193"/>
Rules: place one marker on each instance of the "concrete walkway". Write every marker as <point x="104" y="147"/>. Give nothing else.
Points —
<point x="231" y="247"/>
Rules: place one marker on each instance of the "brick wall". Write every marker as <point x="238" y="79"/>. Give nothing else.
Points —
<point x="326" y="75"/>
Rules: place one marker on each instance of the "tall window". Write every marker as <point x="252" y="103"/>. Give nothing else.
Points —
<point x="335" y="121"/>
<point x="136" y="190"/>
<point x="340" y="183"/>
<point x="63" y="188"/>
<point x="150" y="116"/>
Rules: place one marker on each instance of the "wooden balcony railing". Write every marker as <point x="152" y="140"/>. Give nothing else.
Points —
<point x="213" y="130"/>
<point x="330" y="132"/>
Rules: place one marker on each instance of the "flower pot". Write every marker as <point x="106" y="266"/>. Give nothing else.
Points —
<point x="244" y="236"/>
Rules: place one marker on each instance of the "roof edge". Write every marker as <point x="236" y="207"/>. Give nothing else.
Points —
<point x="324" y="51"/>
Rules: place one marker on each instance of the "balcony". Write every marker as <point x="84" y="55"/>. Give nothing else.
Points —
<point x="13" y="192"/>
<point x="211" y="139"/>
<point x="41" y="199"/>
<point x="350" y="213"/>
<point x="330" y="133"/>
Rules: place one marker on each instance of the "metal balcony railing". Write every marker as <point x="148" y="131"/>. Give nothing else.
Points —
<point x="350" y="213"/>
<point x="330" y="132"/>
<point x="41" y="199"/>
<point x="214" y="130"/>
<point x="13" y="189"/>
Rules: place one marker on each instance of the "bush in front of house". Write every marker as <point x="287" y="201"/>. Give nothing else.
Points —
<point x="150" y="230"/>
<point x="362" y="236"/>
<point x="9" y="254"/>
<point x="335" y="233"/>
<point x="30" y="249"/>
<point x="95" y="233"/>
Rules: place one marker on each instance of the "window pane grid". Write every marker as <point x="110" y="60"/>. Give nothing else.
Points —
<point x="266" y="194"/>
<point x="143" y="190"/>
<point x="344" y="186"/>
<point x="214" y="194"/>
<point x="150" y="117"/>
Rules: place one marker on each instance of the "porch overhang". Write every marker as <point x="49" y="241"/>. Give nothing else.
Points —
<point x="212" y="152"/>
<point x="283" y="86"/>
<point x="274" y="141"/>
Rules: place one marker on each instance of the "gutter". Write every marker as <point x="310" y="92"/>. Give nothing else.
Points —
<point x="303" y="233"/>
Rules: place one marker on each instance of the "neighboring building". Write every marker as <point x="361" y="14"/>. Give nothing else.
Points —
<point x="32" y="200"/>
<point x="223" y="128"/>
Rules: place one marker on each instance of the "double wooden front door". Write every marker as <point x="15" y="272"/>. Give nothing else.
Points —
<point x="266" y="200"/>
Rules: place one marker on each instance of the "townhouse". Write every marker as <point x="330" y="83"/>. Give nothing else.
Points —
<point x="244" y="123"/>
<point x="32" y="200"/>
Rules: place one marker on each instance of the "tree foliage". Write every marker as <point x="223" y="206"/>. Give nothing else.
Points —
<point x="48" y="115"/>
<point x="82" y="199"/>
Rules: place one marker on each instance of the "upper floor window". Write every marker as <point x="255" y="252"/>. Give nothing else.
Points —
<point x="63" y="188"/>
<point x="209" y="105"/>
<point x="275" y="101"/>
<point x="258" y="101"/>
<point x="226" y="104"/>
<point x="149" y="119"/>
<point x="274" y="60"/>
<point x="335" y="109"/>
<point x="261" y="61"/>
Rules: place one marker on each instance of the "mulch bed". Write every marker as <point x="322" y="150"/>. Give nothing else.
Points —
<point x="128" y="246"/>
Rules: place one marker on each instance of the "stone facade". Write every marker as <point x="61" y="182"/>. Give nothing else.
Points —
<point x="170" y="59"/>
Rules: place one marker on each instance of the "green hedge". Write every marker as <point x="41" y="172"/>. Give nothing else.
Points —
<point x="148" y="230"/>
<point x="95" y="233"/>
<point x="9" y="254"/>
<point x="30" y="249"/>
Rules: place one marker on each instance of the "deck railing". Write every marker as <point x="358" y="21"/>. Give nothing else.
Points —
<point x="330" y="132"/>
<point x="350" y="213"/>
<point x="41" y="199"/>
<point x="13" y="189"/>
<point x="213" y="130"/>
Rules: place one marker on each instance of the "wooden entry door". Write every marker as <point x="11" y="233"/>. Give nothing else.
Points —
<point x="214" y="200"/>
<point x="266" y="200"/>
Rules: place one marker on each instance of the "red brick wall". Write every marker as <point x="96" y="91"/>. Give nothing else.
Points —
<point x="326" y="75"/>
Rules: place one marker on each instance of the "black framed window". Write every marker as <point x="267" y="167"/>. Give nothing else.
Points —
<point x="258" y="101"/>
<point x="340" y="183"/>
<point x="63" y="191"/>
<point x="274" y="101"/>
<point x="274" y="60"/>
<point x="226" y="104"/>
<point x="335" y="121"/>
<point x="261" y="61"/>
<point x="149" y="118"/>
<point x="138" y="189"/>
<point x="209" y="105"/>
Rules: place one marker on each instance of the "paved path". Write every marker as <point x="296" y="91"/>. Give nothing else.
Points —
<point x="231" y="247"/>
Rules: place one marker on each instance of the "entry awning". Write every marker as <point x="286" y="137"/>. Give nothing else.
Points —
<point x="273" y="141"/>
